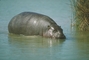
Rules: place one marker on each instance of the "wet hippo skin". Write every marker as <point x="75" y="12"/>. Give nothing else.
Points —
<point x="30" y="23"/>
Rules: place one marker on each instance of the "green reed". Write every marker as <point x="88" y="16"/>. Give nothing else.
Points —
<point x="80" y="10"/>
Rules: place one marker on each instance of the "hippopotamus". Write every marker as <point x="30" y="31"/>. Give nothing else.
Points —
<point x="31" y="23"/>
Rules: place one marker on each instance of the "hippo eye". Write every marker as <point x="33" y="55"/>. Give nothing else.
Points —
<point x="48" y="26"/>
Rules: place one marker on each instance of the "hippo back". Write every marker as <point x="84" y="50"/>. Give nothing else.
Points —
<point x="30" y="23"/>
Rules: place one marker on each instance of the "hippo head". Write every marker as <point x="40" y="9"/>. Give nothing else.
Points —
<point x="55" y="32"/>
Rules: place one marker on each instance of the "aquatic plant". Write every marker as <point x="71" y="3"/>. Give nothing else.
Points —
<point x="80" y="10"/>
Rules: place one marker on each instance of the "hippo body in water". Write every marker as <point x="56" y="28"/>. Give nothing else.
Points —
<point x="30" y="23"/>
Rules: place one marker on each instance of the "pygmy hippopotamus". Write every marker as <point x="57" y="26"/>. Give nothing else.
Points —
<point x="30" y="23"/>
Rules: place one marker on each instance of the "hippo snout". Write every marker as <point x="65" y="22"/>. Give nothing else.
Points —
<point x="59" y="35"/>
<point x="62" y="36"/>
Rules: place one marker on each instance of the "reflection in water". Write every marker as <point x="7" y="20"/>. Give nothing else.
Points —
<point x="82" y="37"/>
<point x="34" y="47"/>
<point x="36" y="41"/>
<point x="82" y="43"/>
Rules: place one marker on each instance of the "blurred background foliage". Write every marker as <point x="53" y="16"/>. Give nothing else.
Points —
<point x="80" y="10"/>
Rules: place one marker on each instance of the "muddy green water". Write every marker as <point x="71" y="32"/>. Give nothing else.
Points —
<point x="15" y="47"/>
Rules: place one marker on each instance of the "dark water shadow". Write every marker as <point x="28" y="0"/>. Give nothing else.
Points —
<point x="32" y="41"/>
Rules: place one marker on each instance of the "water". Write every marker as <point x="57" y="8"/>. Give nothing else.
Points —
<point x="14" y="47"/>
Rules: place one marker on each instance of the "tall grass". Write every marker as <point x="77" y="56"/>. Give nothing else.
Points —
<point x="81" y="14"/>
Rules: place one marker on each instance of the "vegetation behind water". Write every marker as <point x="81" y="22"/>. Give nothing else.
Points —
<point x="80" y="14"/>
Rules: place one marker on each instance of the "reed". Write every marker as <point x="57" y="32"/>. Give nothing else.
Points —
<point x="80" y="10"/>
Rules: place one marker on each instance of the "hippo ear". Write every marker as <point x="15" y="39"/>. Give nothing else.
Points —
<point x="60" y="26"/>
